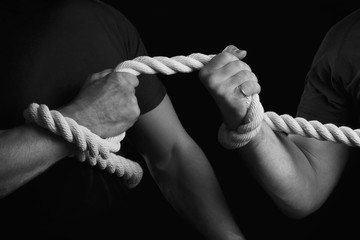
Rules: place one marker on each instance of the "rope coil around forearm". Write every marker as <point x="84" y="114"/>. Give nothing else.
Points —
<point x="245" y="132"/>
<point x="90" y="146"/>
<point x="101" y="152"/>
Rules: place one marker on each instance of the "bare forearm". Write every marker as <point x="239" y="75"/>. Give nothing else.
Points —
<point x="193" y="190"/>
<point x="281" y="168"/>
<point x="25" y="152"/>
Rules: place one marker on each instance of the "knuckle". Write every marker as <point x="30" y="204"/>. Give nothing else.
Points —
<point x="134" y="103"/>
<point x="207" y="77"/>
<point x="222" y="90"/>
<point x="227" y="56"/>
<point x="122" y="77"/>
<point x="247" y="75"/>
<point x="240" y="76"/>
<point x="251" y="76"/>
<point x="135" y="112"/>
<point x="242" y="65"/>
<point x="135" y="80"/>
<point x="251" y="87"/>
<point x="114" y="75"/>
<point x="134" y="100"/>
<point x="204" y="73"/>
<point x="254" y="78"/>
<point x="246" y="66"/>
<point x="237" y="64"/>
<point x="213" y="82"/>
<point x="130" y="78"/>
<point x="92" y="77"/>
<point x="258" y="88"/>
<point x="130" y="89"/>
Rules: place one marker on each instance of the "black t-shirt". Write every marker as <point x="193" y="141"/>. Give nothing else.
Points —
<point x="48" y="49"/>
<point x="332" y="90"/>
<point x="332" y="95"/>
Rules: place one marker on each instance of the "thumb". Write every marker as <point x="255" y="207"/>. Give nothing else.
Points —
<point x="99" y="75"/>
<point x="240" y="54"/>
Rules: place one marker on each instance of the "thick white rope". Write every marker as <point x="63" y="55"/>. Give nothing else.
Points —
<point x="287" y="124"/>
<point x="90" y="146"/>
<point x="164" y="65"/>
<point x="101" y="152"/>
<point x="255" y="115"/>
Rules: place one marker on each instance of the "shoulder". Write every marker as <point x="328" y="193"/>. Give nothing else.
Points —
<point x="347" y="24"/>
<point x="344" y="32"/>
<point x="94" y="9"/>
<point x="94" y="19"/>
<point x="334" y="69"/>
<point x="339" y="43"/>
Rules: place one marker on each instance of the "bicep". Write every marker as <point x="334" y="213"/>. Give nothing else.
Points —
<point x="156" y="132"/>
<point x="328" y="160"/>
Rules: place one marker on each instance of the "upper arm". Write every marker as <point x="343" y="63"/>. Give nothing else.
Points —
<point x="158" y="131"/>
<point x="327" y="159"/>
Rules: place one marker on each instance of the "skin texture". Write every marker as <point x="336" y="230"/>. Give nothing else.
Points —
<point x="227" y="78"/>
<point x="107" y="106"/>
<point x="298" y="173"/>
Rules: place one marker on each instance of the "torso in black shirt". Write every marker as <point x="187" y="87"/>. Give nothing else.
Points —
<point x="332" y="95"/>
<point x="48" y="49"/>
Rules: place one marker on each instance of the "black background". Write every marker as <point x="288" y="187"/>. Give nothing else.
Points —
<point x="281" y="41"/>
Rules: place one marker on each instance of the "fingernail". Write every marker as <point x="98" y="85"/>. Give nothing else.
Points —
<point x="240" y="51"/>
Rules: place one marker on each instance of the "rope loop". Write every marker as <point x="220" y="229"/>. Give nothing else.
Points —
<point x="244" y="133"/>
<point x="91" y="147"/>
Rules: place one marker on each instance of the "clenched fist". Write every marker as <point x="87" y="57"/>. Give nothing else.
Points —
<point x="230" y="81"/>
<point x="106" y="104"/>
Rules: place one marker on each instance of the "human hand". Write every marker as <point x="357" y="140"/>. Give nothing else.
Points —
<point x="230" y="82"/>
<point x="106" y="104"/>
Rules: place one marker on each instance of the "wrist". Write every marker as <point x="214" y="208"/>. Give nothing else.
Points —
<point x="69" y="111"/>
<point x="74" y="112"/>
<point x="86" y="117"/>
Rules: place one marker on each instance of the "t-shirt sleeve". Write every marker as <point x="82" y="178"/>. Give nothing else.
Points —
<point x="327" y="95"/>
<point x="150" y="90"/>
<point x="320" y="99"/>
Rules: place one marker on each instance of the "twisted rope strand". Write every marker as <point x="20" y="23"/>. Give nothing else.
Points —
<point x="100" y="151"/>
<point x="90" y="146"/>
<point x="287" y="124"/>
<point x="164" y="65"/>
<point x="313" y="129"/>
<point x="236" y="139"/>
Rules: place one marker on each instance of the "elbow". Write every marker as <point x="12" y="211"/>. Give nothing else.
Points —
<point x="4" y="190"/>
<point x="300" y="208"/>
<point x="299" y="212"/>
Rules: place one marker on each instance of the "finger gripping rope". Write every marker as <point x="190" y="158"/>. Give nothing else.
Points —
<point x="91" y="147"/>
<point x="101" y="152"/>
<point x="252" y="122"/>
